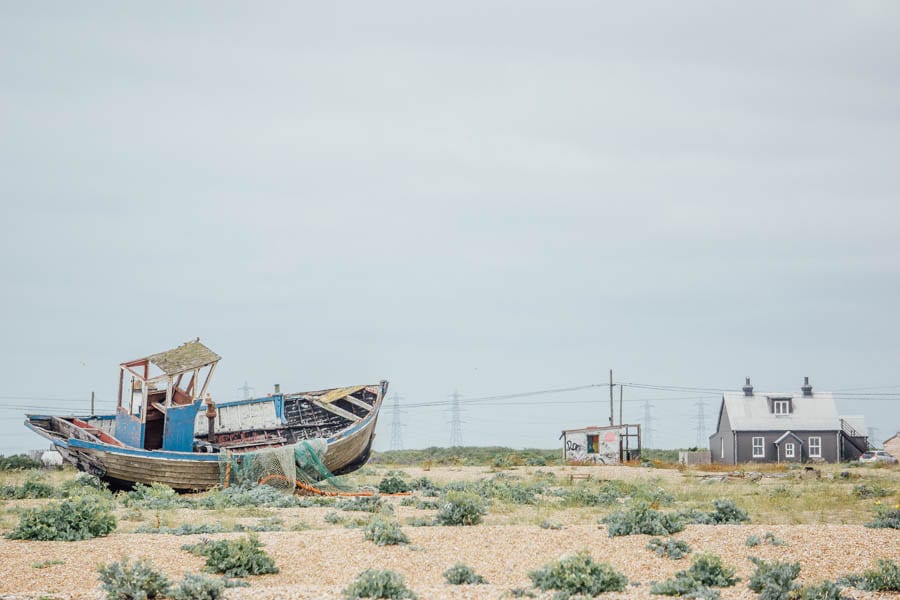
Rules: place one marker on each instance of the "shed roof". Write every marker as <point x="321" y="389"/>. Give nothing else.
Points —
<point x="186" y="357"/>
<point x="809" y="413"/>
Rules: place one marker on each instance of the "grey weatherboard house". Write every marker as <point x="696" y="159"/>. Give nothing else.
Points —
<point x="784" y="427"/>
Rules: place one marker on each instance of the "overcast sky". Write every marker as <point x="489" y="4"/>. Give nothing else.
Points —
<point x="493" y="197"/>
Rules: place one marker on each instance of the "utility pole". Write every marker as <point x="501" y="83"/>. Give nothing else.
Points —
<point x="396" y="439"/>
<point x="92" y="403"/>
<point x="455" y="420"/>
<point x="701" y="425"/>
<point x="648" y="425"/>
<point x="611" y="419"/>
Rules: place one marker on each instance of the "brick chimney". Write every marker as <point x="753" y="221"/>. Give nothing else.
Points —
<point x="748" y="389"/>
<point x="806" y="388"/>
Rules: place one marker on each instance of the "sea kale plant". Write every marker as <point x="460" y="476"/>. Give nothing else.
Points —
<point x="640" y="518"/>
<point x="578" y="574"/>
<point x="69" y="520"/>
<point x="670" y="547"/>
<point x="137" y="581"/>
<point x="234" y="558"/>
<point x="707" y="571"/>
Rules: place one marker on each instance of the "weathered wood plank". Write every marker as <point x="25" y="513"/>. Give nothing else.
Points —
<point x="338" y="411"/>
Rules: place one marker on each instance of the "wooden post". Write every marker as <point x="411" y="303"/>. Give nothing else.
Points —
<point x="610" y="398"/>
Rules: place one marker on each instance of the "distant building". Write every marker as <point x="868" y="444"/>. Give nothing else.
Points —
<point x="785" y="427"/>
<point x="601" y="445"/>
<point x="892" y="445"/>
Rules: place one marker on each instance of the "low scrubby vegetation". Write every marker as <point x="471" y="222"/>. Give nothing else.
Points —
<point x="886" y="517"/>
<point x="379" y="583"/>
<point x="384" y="532"/>
<point x="640" y="518"/>
<point x="885" y="577"/>
<point x="773" y="580"/>
<point x="234" y="558"/>
<point x="69" y="520"/>
<point x="669" y="548"/>
<point x="578" y="574"/>
<point x="707" y="571"/>
<point x="133" y="581"/>
<point x="460" y="508"/>
<point x="196" y="586"/>
<point x="460" y="574"/>
<point x="19" y="462"/>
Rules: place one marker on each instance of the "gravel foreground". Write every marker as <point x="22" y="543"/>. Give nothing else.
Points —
<point x="320" y="563"/>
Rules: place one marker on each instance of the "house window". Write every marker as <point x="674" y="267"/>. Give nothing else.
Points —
<point x="789" y="451"/>
<point x="722" y="448"/>
<point x="759" y="449"/>
<point x="815" y="447"/>
<point x="781" y="407"/>
<point x="593" y="444"/>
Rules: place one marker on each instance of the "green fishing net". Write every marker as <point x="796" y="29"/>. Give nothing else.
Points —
<point x="281" y="467"/>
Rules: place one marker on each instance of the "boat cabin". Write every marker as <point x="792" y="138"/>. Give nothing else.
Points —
<point x="159" y="396"/>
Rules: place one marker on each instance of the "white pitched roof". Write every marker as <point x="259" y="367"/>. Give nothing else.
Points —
<point x="810" y="413"/>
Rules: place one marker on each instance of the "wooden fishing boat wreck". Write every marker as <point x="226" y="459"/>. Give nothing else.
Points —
<point x="167" y="429"/>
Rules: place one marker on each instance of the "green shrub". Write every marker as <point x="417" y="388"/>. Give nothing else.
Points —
<point x="156" y="496"/>
<point x="234" y="558"/>
<point x="550" y="525"/>
<point x="254" y="495"/>
<point x="199" y="587"/>
<point x="670" y="548"/>
<point x="183" y="529"/>
<point x="726" y="511"/>
<point x="460" y="574"/>
<point x="393" y="485"/>
<point x="370" y="504"/>
<point x="640" y="518"/>
<point x="773" y="580"/>
<point x="426" y="486"/>
<point x="384" y="532"/>
<point x="706" y="571"/>
<point x="420" y="522"/>
<point x="826" y="590"/>
<point x="33" y="487"/>
<point x="884" y="578"/>
<point x="752" y="540"/>
<point x="770" y="539"/>
<point x="70" y="520"/>
<point x="460" y="508"/>
<point x="19" y="462"/>
<point x="873" y="490"/>
<point x="378" y="583"/>
<point x="139" y="581"/>
<point x="886" y="518"/>
<point x="578" y="574"/>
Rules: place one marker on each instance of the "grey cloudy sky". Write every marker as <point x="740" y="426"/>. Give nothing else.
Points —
<point x="495" y="197"/>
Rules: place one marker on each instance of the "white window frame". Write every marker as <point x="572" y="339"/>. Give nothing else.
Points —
<point x="722" y="447"/>
<point x="789" y="450"/>
<point x="815" y="447"/>
<point x="781" y="407"/>
<point x="759" y="447"/>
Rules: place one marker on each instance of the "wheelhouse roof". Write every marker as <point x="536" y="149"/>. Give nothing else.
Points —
<point x="186" y="357"/>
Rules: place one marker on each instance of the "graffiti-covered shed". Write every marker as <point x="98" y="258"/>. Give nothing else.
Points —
<point x="601" y="445"/>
